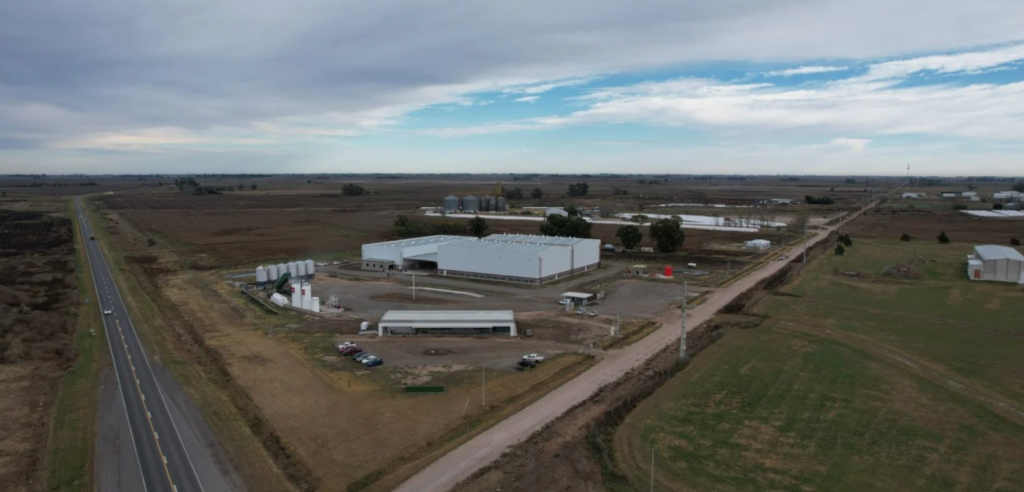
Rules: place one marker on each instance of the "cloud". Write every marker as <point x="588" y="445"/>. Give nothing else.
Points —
<point x="812" y="69"/>
<point x="545" y="87"/>
<point x="854" y="144"/>
<point x="527" y="99"/>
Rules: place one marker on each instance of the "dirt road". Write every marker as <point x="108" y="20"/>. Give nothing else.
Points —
<point x="477" y="453"/>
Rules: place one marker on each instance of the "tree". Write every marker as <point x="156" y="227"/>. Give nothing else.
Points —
<point x="578" y="189"/>
<point x="253" y="187"/>
<point x="558" y="225"/>
<point x="1019" y="187"/>
<point x="352" y="189"/>
<point x="905" y="237"/>
<point x="818" y="200"/>
<point x="1014" y="241"/>
<point x="845" y="240"/>
<point x="572" y="210"/>
<point x="997" y="206"/>
<point x="630" y="236"/>
<point x="943" y="238"/>
<point x="536" y="194"/>
<point x="641" y="219"/>
<point x="241" y="187"/>
<point x="478" y="226"/>
<point x="667" y="235"/>
<point x="514" y="194"/>
<point x="799" y="222"/>
<point x="840" y="250"/>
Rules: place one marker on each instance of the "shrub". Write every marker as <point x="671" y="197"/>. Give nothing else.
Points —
<point x="905" y="237"/>
<point x="943" y="238"/>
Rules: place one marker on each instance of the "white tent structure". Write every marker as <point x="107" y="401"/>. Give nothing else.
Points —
<point x="995" y="263"/>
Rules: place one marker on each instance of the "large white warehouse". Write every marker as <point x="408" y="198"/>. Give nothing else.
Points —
<point x="998" y="263"/>
<point x="503" y="257"/>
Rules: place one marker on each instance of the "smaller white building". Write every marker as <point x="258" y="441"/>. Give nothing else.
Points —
<point x="995" y="263"/>
<point x="948" y="194"/>
<point x="448" y="323"/>
<point x="913" y="196"/>
<point x="968" y="194"/>
<point x="781" y="201"/>
<point x="758" y="244"/>
<point x="555" y="211"/>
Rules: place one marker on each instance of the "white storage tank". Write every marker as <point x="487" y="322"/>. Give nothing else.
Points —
<point x="272" y="272"/>
<point x="307" y="296"/>
<point x="316" y="304"/>
<point x="296" y="294"/>
<point x="278" y="299"/>
<point x="310" y="267"/>
<point x="261" y="275"/>
<point x="301" y="267"/>
<point x="292" y="269"/>
<point x="281" y="269"/>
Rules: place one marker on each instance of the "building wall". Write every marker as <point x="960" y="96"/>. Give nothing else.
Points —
<point x="501" y="261"/>
<point x="587" y="252"/>
<point x="379" y="252"/>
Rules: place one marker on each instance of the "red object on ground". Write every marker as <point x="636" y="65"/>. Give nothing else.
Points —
<point x="668" y="270"/>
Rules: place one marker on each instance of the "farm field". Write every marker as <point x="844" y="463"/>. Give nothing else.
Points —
<point x="925" y="226"/>
<point x="863" y="382"/>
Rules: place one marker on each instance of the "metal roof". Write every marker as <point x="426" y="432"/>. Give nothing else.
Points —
<point x="994" y="252"/>
<point x="405" y="243"/>
<point x="527" y="238"/>
<point x="577" y="295"/>
<point x="500" y="245"/>
<point x="411" y="316"/>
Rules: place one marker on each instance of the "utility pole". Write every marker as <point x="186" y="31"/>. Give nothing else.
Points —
<point x="483" y="385"/>
<point x="805" y="243"/>
<point x="682" y="338"/>
<point x="652" y="467"/>
<point x="414" y="286"/>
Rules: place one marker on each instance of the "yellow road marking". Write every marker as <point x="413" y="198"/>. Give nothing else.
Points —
<point x="149" y="418"/>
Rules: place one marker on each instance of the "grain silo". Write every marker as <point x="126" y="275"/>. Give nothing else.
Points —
<point x="272" y="272"/>
<point x="470" y="203"/>
<point x="310" y="267"/>
<point x="485" y="203"/>
<point x="281" y="269"/>
<point x="301" y="267"/>
<point x="499" y="205"/>
<point x="451" y="203"/>
<point x="261" y="275"/>
<point x="293" y="270"/>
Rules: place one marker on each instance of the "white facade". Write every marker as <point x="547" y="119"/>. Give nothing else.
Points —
<point x="968" y="194"/>
<point x="447" y="322"/>
<point x="912" y="195"/>
<point x="995" y="263"/>
<point x="585" y="252"/>
<point x="555" y="211"/>
<point x="759" y="244"/>
<point x="397" y="251"/>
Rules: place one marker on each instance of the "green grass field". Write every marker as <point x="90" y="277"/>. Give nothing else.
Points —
<point x="853" y="383"/>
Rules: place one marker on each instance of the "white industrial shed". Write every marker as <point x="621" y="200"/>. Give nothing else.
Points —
<point x="996" y="263"/>
<point x="447" y="323"/>
<point x="516" y="258"/>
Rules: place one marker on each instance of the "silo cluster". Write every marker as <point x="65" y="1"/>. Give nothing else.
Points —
<point x="302" y="269"/>
<point x="452" y="204"/>
<point x="473" y="204"/>
<point x="470" y="203"/>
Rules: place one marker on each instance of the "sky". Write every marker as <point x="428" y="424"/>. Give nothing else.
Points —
<point x="552" y="86"/>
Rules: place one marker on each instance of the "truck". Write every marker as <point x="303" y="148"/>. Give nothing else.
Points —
<point x="92" y="237"/>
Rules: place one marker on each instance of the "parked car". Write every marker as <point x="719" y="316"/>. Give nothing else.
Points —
<point x="362" y="355"/>
<point x="108" y="311"/>
<point x="369" y="359"/>
<point x="565" y="302"/>
<point x="528" y="333"/>
<point x="350" y="350"/>
<point x="525" y="364"/>
<point x="581" y="310"/>
<point x="345" y="344"/>
<point x="533" y="358"/>
<point x="374" y="362"/>
<point x="592" y="313"/>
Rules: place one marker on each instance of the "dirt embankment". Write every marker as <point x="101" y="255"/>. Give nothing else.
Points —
<point x="38" y="306"/>
<point x="575" y="452"/>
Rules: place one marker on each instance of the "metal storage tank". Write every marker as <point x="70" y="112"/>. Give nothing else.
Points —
<point x="470" y="203"/>
<point x="451" y="203"/>
<point x="486" y="203"/>
<point x="307" y="296"/>
<point x="292" y="269"/>
<point x="310" y="267"/>
<point x="272" y="272"/>
<point x="281" y="269"/>
<point x="301" y="267"/>
<point x="261" y="275"/>
<point x="296" y="294"/>
<point x="499" y="205"/>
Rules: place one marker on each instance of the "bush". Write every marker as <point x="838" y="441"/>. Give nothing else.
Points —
<point x="959" y="206"/>
<point x="667" y="235"/>
<point x="997" y="206"/>
<point x="818" y="200"/>
<point x="558" y="225"/>
<point x="840" y="250"/>
<point x="1014" y="241"/>
<point x="905" y="237"/>
<point x="630" y="236"/>
<point x="352" y="189"/>
<point x="943" y="238"/>
<point x="478" y="226"/>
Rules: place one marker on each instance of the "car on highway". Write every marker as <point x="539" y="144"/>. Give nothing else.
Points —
<point x="534" y="357"/>
<point x="565" y="302"/>
<point x="373" y="362"/>
<point x="108" y="311"/>
<point x="581" y="310"/>
<point x="592" y="313"/>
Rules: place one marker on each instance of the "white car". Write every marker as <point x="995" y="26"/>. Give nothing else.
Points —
<point x="534" y="357"/>
<point x="565" y="302"/>
<point x="592" y="313"/>
<point x="581" y="310"/>
<point x="345" y="344"/>
<point x="108" y="311"/>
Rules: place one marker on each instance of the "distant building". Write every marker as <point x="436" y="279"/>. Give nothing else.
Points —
<point x="758" y="244"/>
<point x="996" y="263"/>
<point x="968" y="194"/>
<point x="913" y="196"/>
<point x="555" y="211"/>
<point x="1006" y="196"/>
<point x="781" y="201"/>
<point x="949" y="194"/>
<point x="975" y="198"/>
<point x="448" y="323"/>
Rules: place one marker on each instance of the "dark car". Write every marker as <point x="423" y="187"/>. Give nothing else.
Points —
<point x="362" y="355"/>
<point x="528" y="333"/>
<point x="525" y="364"/>
<point x="374" y="362"/>
<point x="350" y="350"/>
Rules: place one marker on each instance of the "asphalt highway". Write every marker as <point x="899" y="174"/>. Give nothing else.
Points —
<point x="164" y="463"/>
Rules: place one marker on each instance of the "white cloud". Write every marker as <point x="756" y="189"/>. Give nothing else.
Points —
<point x="854" y="144"/>
<point x="808" y="70"/>
<point x="972" y="61"/>
<point x="527" y="99"/>
<point x="547" y="86"/>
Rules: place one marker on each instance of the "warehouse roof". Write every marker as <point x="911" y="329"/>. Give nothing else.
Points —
<point x="994" y="252"/>
<point x="502" y="245"/>
<point x="405" y="243"/>
<point x="528" y="238"/>
<point x="577" y="295"/>
<point x="489" y="316"/>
